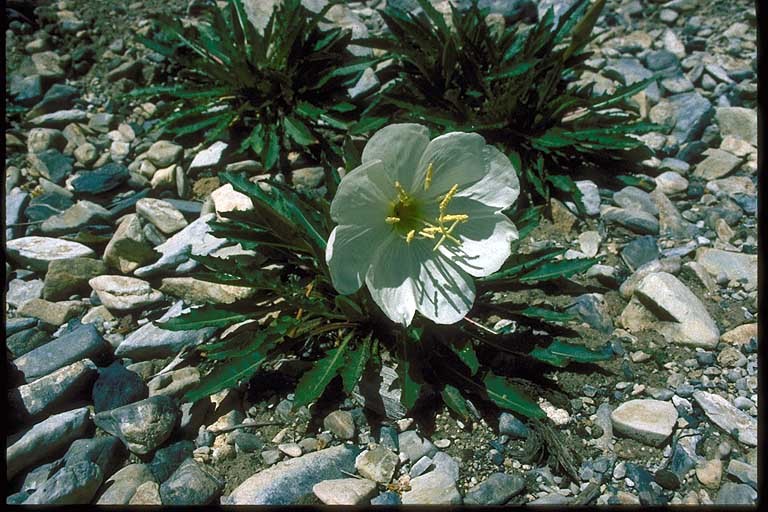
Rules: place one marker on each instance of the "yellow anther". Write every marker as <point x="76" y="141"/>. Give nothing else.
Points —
<point x="409" y="237"/>
<point x="460" y="217"/>
<point x="428" y="179"/>
<point x="431" y="230"/>
<point x="402" y="195"/>
<point x="447" y="198"/>
<point x="392" y="220"/>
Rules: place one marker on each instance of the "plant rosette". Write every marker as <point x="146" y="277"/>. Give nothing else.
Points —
<point x="419" y="219"/>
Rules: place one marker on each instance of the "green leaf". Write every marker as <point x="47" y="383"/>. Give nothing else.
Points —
<point x="409" y="374"/>
<point x="314" y="381"/>
<point x="453" y="398"/>
<point x="271" y="150"/>
<point x="206" y="316"/>
<point x="554" y="270"/>
<point x="507" y="397"/>
<point x="367" y="124"/>
<point x="355" y="364"/>
<point x="467" y="356"/>
<point x="298" y="131"/>
<point x="546" y="314"/>
<point x="226" y="376"/>
<point x="560" y="353"/>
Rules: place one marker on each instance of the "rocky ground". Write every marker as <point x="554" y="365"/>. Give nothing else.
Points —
<point x="92" y="199"/>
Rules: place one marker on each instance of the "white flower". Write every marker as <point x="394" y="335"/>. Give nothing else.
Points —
<point x="419" y="218"/>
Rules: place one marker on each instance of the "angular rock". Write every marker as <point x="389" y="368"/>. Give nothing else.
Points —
<point x="649" y="421"/>
<point x="83" y="342"/>
<point x="736" y="266"/>
<point x="53" y="313"/>
<point x="168" y="459"/>
<point x="377" y="463"/>
<point x="99" y="180"/>
<point x="679" y="315"/>
<point x="106" y="452"/>
<point x="196" y="291"/>
<point x="36" y="252"/>
<point x="191" y="484"/>
<point x="121" y="293"/>
<point x="77" y="216"/>
<point x="68" y="277"/>
<point x="128" y="249"/>
<point x="141" y="426"/>
<point x="671" y="183"/>
<point x="51" y="165"/>
<point x="743" y="472"/>
<point x="120" y="487"/>
<point x="147" y="493"/>
<point x="740" y="335"/>
<point x="736" y="494"/>
<point x="640" y="251"/>
<point x="20" y="292"/>
<point x="72" y="485"/>
<point x="162" y="214"/>
<point x="288" y="481"/>
<point x="29" y="339"/>
<point x="671" y="222"/>
<point x="341" y="424"/>
<point x="208" y="157"/>
<point x="590" y="196"/>
<point x="718" y="163"/>
<point x="414" y="447"/>
<point x="46" y="439"/>
<point x="634" y="220"/>
<point x="227" y="199"/>
<point x="632" y="198"/>
<point x="692" y="113"/>
<point x="174" y="383"/>
<point x="669" y="265"/>
<point x="46" y="394"/>
<point x="117" y="386"/>
<point x="434" y="488"/>
<point x="497" y="489"/>
<point x="723" y="414"/>
<point x="345" y="491"/>
<point x="60" y="118"/>
<point x="739" y="122"/>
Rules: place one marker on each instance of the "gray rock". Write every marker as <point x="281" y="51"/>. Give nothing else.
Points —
<point x="723" y="414"/>
<point x="106" y="452"/>
<point x="29" y="339"/>
<point x="661" y="59"/>
<point x="366" y="84"/>
<point x="117" y="386"/>
<point x="743" y="472"/>
<point x="52" y="313"/>
<point x="671" y="222"/>
<point x="147" y="493"/>
<point x="592" y="309"/>
<point x="191" y="484"/>
<point x="649" y="421"/>
<point x="208" y="157"/>
<point x="286" y="482"/>
<point x="174" y="383"/>
<point x="101" y="122"/>
<point x="142" y="426"/>
<point x="718" y="163"/>
<point x="341" y="424"/>
<point x="84" y="342"/>
<point x="47" y="204"/>
<point x="120" y="487"/>
<point x="639" y="251"/>
<point x="387" y="498"/>
<point x="420" y="467"/>
<point x="121" y="293"/>
<point x="345" y="491"/>
<point x="193" y="239"/>
<point x="736" y="266"/>
<point x="99" y="180"/>
<point x="151" y="341"/>
<point x="692" y="113"/>
<point x="60" y="118"/>
<point x="15" y="202"/>
<point x="36" y="252"/>
<point x="26" y="90"/>
<point x="58" y="97"/>
<point x="414" y="447"/>
<point x="14" y="325"/>
<point x="247" y="443"/>
<point x="671" y="183"/>
<point x="128" y="248"/>
<point x="637" y="221"/>
<point x="590" y="196"/>
<point x="377" y="463"/>
<point x="38" y="476"/>
<point x="76" y="484"/>
<point x="46" y="439"/>
<point x="434" y="488"/>
<point x="74" y="218"/>
<point x="162" y="214"/>
<point x="53" y="391"/>
<point x="669" y="265"/>
<point x="444" y="463"/>
<point x="68" y="277"/>
<point x="51" y="164"/>
<point x="164" y="153"/>
<point x="130" y="69"/>
<point x="167" y="460"/>
<point x="511" y="426"/>
<point x="674" y="165"/>
<point x="632" y="198"/>
<point x="497" y="489"/>
<point x="736" y="494"/>
<point x="739" y="122"/>
<point x="20" y="292"/>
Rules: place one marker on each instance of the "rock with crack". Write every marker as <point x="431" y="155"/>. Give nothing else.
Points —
<point x="723" y="414"/>
<point x="142" y="426"/>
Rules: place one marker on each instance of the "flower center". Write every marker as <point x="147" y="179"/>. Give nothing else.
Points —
<point x="407" y="216"/>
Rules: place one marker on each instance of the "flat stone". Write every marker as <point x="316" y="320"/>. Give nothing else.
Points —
<point x="196" y="291"/>
<point x="669" y="265"/>
<point x="162" y="214"/>
<point x="84" y="342"/>
<point x="692" y="113"/>
<point x="99" y="180"/>
<point x="120" y="487"/>
<point x="72" y="485"/>
<point x="193" y="239"/>
<point x="24" y="341"/>
<point x="671" y="222"/>
<point x="36" y="252"/>
<point x="366" y="84"/>
<point x="288" y="481"/>
<point x="107" y="452"/>
<point x="121" y="293"/>
<point x="174" y="383"/>
<point x="51" y="164"/>
<point x="168" y="459"/>
<point x="633" y="198"/>
<point x="15" y="203"/>
<point x="434" y="488"/>
<point x="147" y="493"/>
<point x="593" y="309"/>
<point x="68" y="277"/>
<point x="20" y="292"/>
<point x="743" y="472"/>
<point x="736" y="266"/>
<point x="142" y="426"/>
<point x="718" y="163"/>
<point x="74" y="218"/>
<point x="290" y="449"/>
<point x="509" y="425"/>
<point x="497" y="489"/>
<point x="46" y="439"/>
<point x="740" y="335"/>
<point x="345" y="491"/>
<point x="377" y="463"/>
<point x="15" y="325"/>
<point x="637" y="221"/>
<point x="341" y="424"/>
<point x="60" y="119"/>
<point x="164" y="153"/>
<point x="117" y="386"/>
<point x="53" y="391"/>
<point x="680" y="315"/>
<point x="444" y="463"/>
<point x="48" y="65"/>
<point x="128" y="248"/>
<point x="671" y="183"/>
<point x="649" y="421"/>
<point x="739" y="122"/>
<point x="639" y="251"/>
<point x="674" y="165"/>
<point x="387" y="498"/>
<point x="414" y="447"/>
<point x="49" y="203"/>
<point x="723" y="414"/>
<point x="150" y="341"/>
<point x="208" y="157"/>
<point x="736" y="494"/>
<point x="191" y="484"/>
<point x="420" y="467"/>
<point x="53" y="313"/>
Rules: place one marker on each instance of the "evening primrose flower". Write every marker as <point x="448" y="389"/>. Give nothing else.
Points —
<point x="419" y="219"/>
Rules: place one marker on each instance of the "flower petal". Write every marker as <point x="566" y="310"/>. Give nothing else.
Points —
<point x="363" y="195"/>
<point x="456" y="159"/>
<point x="391" y="280"/>
<point x="485" y="238"/>
<point x="349" y="253"/>
<point x="399" y="147"/>
<point x="444" y="293"/>
<point x="500" y="186"/>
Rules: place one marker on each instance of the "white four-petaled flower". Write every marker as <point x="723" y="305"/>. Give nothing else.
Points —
<point x="419" y="219"/>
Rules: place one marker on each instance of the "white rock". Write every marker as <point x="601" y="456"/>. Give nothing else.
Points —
<point x="723" y="414"/>
<point x="37" y="251"/>
<point x="124" y="293"/>
<point x="589" y="242"/>
<point x="208" y="157"/>
<point x="671" y="183"/>
<point x="227" y="199"/>
<point x="162" y="214"/>
<point x="735" y="265"/>
<point x="345" y="491"/>
<point x="645" y="420"/>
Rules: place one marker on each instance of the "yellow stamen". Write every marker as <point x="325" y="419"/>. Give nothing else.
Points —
<point x="428" y="179"/>
<point x="392" y="220"/>
<point x="409" y="237"/>
<point x="447" y="198"/>
<point x="401" y="193"/>
<point x="461" y="217"/>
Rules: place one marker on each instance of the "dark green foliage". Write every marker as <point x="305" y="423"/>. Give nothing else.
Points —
<point x="516" y="88"/>
<point x="278" y="90"/>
